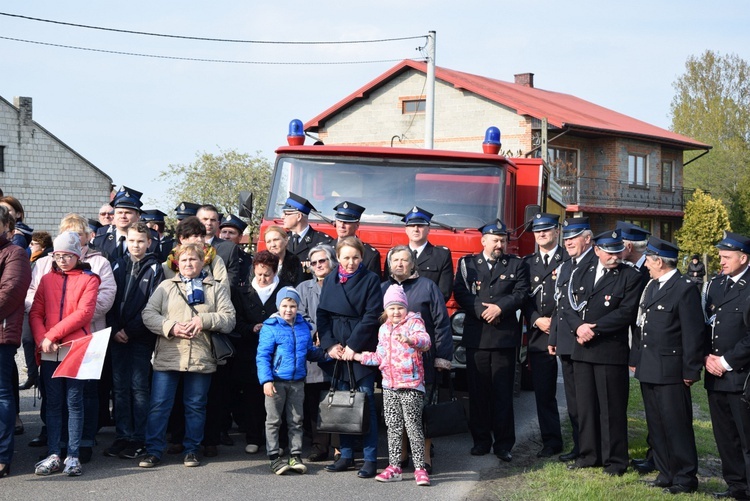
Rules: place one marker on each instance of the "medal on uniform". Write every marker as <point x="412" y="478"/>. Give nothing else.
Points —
<point x="606" y="300"/>
<point x="502" y="277"/>
<point x="536" y="279"/>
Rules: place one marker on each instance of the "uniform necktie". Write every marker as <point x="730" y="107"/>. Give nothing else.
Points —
<point x="120" y="246"/>
<point x="491" y="262"/>
<point x="603" y="274"/>
<point x="655" y="286"/>
<point x="546" y="260"/>
<point x="575" y="262"/>
<point x="414" y="253"/>
<point x="295" y="242"/>
<point x="730" y="284"/>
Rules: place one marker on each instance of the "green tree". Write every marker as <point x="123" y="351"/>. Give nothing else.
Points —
<point x="712" y="105"/>
<point x="706" y="218"/>
<point x="218" y="179"/>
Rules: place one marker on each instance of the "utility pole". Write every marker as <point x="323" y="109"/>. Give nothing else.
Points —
<point x="429" y="119"/>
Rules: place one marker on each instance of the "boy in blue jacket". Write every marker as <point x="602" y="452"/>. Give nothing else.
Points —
<point x="284" y="346"/>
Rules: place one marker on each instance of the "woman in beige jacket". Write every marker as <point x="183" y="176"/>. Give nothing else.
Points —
<point x="182" y="312"/>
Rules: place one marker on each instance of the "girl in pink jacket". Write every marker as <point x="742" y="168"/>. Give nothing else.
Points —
<point x="401" y="339"/>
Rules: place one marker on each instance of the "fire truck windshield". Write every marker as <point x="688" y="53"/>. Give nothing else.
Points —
<point x="465" y="196"/>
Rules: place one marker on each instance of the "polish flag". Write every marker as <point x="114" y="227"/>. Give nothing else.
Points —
<point x="86" y="357"/>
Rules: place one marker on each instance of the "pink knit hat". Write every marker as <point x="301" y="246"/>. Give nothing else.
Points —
<point x="395" y="295"/>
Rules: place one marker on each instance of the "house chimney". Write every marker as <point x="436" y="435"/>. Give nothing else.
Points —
<point x="525" y="79"/>
<point x="24" y="109"/>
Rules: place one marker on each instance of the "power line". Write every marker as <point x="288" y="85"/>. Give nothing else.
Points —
<point x="202" y="60"/>
<point x="207" y="39"/>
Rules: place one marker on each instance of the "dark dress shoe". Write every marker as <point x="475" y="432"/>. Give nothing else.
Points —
<point x="547" y="452"/>
<point x="368" y="470"/>
<point x="30" y="383"/>
<point x="679" y="489"/>
<point x="504" y="455"/>
<point x="39" y="441"/>
<point x="211" y="451"/>
<point x="318" y="456"/>
<point x="5" y="471"/>
<point x="18" y="430"/>
<point x="614" y="473"/>
<point x="480" y="450"/>
<point x="570" y="456"/>
<point x="731" y="494"/>
<point x="342" y="464"/>
<point x="643" y="467"/>
<point x="225" y="439"/>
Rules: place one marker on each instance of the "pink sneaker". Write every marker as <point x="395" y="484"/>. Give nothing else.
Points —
<point x="421" y="476"/>
<point x="390" y="474"/>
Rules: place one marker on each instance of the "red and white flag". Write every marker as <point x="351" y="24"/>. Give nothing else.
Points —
<point x="86" y="357"/>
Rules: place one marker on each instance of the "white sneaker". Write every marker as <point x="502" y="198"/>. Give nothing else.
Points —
<point x="72" y="467"/>
<point x="251" y="448"/>
<point x="48" y="466"/>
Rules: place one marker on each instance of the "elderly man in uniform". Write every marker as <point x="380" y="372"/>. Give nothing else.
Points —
<point x="727" y="360"/>
<point x="433" y="262"/>
<point x="302" y="236"/>
<point x="491" y="287"/>
<point x="603" y="303"/>
<point x="577" y="239"/>
<point x="635" y="239"/>
<point x="668" y="351"/>
<point x="539" y="310"/>
<point x="347" y="219"/>
<point x="231" y="229"/>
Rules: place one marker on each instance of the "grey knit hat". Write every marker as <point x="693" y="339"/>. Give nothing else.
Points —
<point x="68" y="242"/>
<point x="287" y="293"/>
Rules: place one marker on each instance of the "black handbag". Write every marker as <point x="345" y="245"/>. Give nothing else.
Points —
<point x="221" y="347"/>
<point x="343" y="411"/>
<point x="444" y="418"/>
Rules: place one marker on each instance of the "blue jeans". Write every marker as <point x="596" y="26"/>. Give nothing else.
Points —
<point x="370" y="440"/>
<point x="194" y="397"/>
<point x="131" y="365"/>
<point x="59" y="391"/>
<point x="7" y="402"/>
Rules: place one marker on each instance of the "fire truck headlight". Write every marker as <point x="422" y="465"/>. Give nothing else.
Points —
<point x="457" y="323"/>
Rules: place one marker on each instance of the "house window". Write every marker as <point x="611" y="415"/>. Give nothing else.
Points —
<point x="667" y="231"/>
<point x="643" y="223"/>
<point x="2" y="158"/>
<point x="413" y="106"/>
<point x="637" y="170"/>
<point x="563" y="162"/>
<point x="666" y="176"/>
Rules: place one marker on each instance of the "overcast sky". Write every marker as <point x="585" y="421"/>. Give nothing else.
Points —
<point x="132" y="116"/>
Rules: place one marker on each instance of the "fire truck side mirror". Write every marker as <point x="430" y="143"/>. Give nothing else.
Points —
<point x="530" y="211"/>
<point x="246" y="204"/>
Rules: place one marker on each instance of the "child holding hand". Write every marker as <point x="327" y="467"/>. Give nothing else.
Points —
<point x="401" y="339"/>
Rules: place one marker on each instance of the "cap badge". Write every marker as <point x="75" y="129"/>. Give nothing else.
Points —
<point x="614" y="234"/>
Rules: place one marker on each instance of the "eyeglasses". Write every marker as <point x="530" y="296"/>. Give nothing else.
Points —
<point x="63" y="258"/>
<point x="318" y="262"/>
<point x="106" y="213"/>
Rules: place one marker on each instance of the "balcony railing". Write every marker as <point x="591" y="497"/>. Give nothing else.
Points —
<point x="606" y="193"/>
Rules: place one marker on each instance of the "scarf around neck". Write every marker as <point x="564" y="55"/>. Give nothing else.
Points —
<point x="265" y="292"/>
<point x="344" y="276"/>
<point x="194" y="288"/>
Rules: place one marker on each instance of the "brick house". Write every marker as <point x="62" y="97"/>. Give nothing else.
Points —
<point x="45" y="174"/>
<point x="608" y="166"/>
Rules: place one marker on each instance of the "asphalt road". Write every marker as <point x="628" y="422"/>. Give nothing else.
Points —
<point x="233" y="474"/>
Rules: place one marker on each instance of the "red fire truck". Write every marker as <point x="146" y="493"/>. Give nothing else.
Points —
<point x="463" y="190"/>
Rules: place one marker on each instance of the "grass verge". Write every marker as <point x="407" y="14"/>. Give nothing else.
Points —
<point x="532" y="479"/>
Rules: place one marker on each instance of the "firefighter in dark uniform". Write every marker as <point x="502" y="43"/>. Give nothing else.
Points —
<point x="727" y="360"/>
<point x="232" y="228"/>
<point x="491" y="287"/>
<point x="604" y="301"/>
<point x="433" y="262"/>
<point x="154" y="219"/>
<point x="635" y="239"/>
<point x="347" y="219"/>
<point x="577" y="239"/>
<point x="302" y="236"/>
<point x="668" y="349"/>
<point x="539" y="309"/>
<point x="127" y="204"/>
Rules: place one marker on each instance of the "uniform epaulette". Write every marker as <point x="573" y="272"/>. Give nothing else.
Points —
<point x="629" y="264"/>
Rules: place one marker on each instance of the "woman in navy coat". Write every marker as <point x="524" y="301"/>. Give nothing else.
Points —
<point x="348" y="322"/>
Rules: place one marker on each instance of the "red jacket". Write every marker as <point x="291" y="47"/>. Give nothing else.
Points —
<point x="15" y="277"/>
<point x="64" y="305"/>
